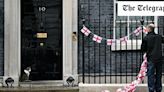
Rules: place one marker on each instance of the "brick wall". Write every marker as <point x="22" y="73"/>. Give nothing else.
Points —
<point x="1" y="36"/>
<point x="98" y="15"/>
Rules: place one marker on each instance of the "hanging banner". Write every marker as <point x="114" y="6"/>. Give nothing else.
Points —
<point x="124" y="39"/>
<point x="140" y="8"/>
<point x="131" y="87"/>
<point x="142" y="73"/>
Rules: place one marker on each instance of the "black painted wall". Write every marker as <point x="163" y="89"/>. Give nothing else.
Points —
<point x="1" y="37"/>
<point x="161" y="31"/>
<point x="98" y="15"/>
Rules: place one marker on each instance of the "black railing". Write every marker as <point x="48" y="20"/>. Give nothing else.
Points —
<point x="101" y="63"/>
<point x="118" y="63"/>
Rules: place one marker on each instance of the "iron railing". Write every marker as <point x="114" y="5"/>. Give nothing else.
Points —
<point x="118" y="63"/>
<point x="100" y="63"/>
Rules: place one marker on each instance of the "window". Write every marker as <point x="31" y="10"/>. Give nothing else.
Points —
<point x="125" y="26"/>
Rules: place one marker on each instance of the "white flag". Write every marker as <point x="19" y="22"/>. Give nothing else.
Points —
<point x="85" y="31"/>
<point x="97" y="38"/>
<point x="138" y="31"/>
<point x="124" y="39"/>
<point x="110" y="41"/>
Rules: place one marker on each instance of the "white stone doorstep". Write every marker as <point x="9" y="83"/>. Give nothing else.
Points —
<point x="106" y="85"/>
<point x="109" y="87"/>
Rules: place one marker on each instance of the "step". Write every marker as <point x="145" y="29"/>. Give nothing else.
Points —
<point x="40" y="89"/>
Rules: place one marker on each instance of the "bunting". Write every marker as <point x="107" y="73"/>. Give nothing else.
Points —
<point x="124" y="39"/>
<point x="141" y="75"/>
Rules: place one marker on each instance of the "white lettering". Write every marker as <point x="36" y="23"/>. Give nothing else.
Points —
<point x="42" y="9"/>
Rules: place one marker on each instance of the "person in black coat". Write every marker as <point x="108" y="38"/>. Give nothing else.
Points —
<point x="152" y="46"/>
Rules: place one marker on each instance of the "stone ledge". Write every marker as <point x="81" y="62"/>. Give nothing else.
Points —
<point x="40" y="89"/>
<point x="110" y="87"/>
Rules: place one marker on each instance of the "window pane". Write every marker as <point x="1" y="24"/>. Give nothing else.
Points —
<point x="132" y="23"/>
<point x="149" y="18"/>
<point x="138" y="18"/>
<point x="122" y="18"/>
<point x="121" y="30"/>
<point x="135" y="18"/>
<point x="132" y="27"/>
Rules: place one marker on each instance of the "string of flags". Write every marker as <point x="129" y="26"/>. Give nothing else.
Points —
<point x="124" y="39"/>
<point x="141" y="75"/>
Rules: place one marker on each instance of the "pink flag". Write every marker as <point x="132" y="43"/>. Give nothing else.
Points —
<point x="110" y="41"/>
<point x="85" y="31"/>
<point x="124" y="39"/>
<point x="144" y="30"/>
<point x="138" y="31"/>
<point x="97" y="38"/>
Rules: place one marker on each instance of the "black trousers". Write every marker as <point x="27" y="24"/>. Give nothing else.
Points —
<point x="154" y="74"/>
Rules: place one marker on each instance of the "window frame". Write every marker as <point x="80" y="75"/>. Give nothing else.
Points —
<point x="128" y="46"/>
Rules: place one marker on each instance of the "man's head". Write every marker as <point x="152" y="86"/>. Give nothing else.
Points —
<point x="150" y="27"/>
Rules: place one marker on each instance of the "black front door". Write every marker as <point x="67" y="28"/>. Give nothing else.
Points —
<point x="41" y="39"/>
